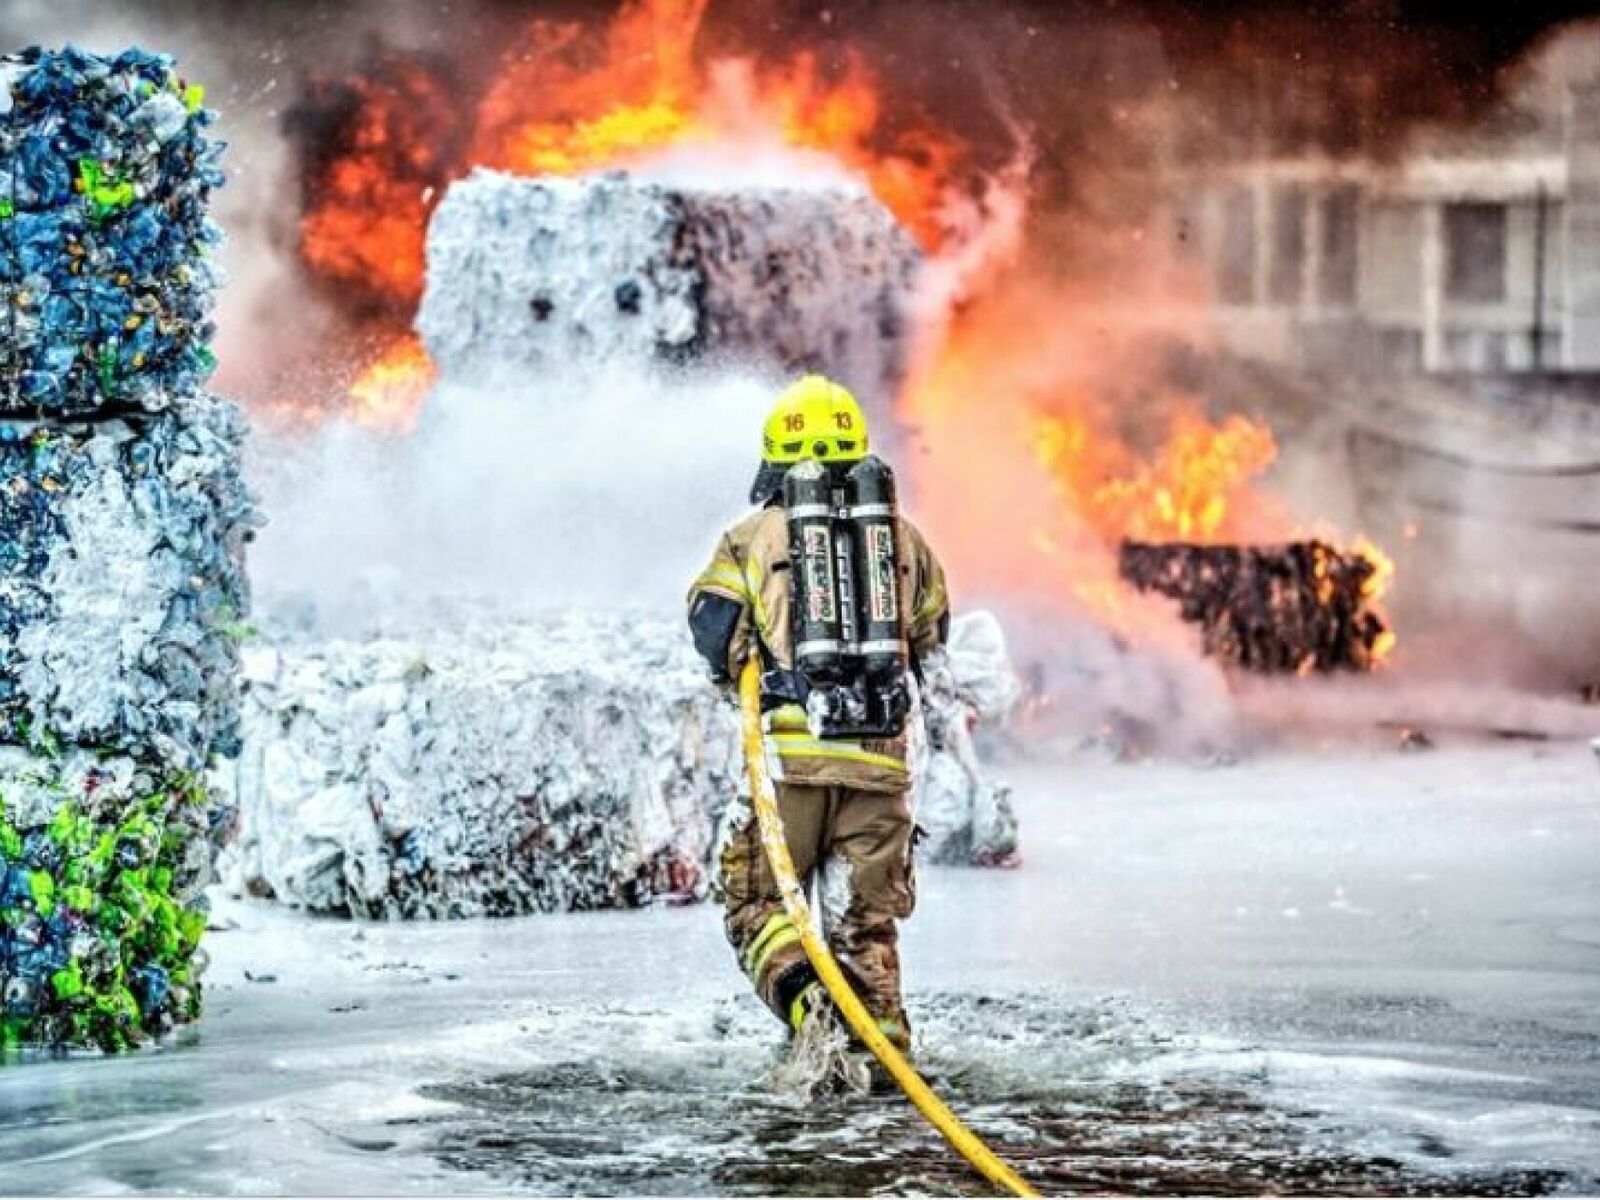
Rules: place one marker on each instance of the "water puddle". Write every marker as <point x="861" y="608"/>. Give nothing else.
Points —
<point x="1076" y="1096"/>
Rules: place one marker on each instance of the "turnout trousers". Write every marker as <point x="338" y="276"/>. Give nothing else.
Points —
<point x="852" y="849"/>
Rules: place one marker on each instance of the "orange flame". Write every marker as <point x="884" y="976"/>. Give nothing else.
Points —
<point x="1194" y="488"/>
<point x="367" y="209"/>
<point x="1377" y="586"/>
<point x="558" y="108"/>
<point x="562" y="103"/>
<point x="388" y="394"/>
<point x="1046" y="437"/>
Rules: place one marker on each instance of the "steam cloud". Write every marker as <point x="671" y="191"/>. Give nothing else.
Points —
<point x="606" y="490"/>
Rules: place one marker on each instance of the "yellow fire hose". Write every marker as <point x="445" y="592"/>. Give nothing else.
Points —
<point x="963" y="1140"/>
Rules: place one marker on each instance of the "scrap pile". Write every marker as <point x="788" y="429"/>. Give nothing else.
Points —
<point x="513" y="765"/>
<point x="965" y="815"/>
<point x="526" y="273"/>
<point x="508" y="768"/>
<point x="105" y="179"/>
<point x="123" y="518"/>
<point x="1291" y="608"/>
<point x="102" y="863"/>
<point x="121" y="581"/>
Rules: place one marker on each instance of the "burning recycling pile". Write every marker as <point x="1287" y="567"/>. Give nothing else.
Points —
<point x="571" y="761"/>
<point x="122" y="523"/>
<point x="1296" y="607"/>
<point x="525" y="275"/>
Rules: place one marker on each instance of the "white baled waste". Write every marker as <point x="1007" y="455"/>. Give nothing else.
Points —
<point x="965" y="814"/>
<point x="511" y="765"/>
<point x="532" y="275"/>
<point x="122" y="586"/>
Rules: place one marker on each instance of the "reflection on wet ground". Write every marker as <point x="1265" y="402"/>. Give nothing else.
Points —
<point x="1073" y="1097"/>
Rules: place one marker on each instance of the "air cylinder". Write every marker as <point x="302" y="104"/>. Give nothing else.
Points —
<point x="818" y="627"/>
<point x="870" y="509"/>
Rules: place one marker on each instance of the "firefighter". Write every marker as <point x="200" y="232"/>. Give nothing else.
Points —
<point x="845" y="803"/>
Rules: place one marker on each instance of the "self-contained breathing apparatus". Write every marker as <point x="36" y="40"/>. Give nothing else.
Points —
<point x="849" y="640"/>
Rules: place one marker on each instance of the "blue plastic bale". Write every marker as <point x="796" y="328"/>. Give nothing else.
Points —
<point x="106" y="172"/>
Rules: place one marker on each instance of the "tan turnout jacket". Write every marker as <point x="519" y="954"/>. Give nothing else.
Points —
<point x="751" y="566"/>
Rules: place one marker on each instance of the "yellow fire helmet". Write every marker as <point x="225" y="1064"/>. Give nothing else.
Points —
<point x="813" y="417"/>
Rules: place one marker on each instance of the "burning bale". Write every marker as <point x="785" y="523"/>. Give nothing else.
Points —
<point x="122" y="522"/>
<point x="1297" y="607"/>
<point x="532" y="275"/>
<point x="574" y="761"/>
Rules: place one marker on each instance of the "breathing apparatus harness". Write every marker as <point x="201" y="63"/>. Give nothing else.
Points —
<point x="850" y="658"/>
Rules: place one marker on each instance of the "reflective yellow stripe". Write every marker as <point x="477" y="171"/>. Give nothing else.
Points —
<point x="775" y="925"/>
<point x="787" y="718"/>
<point x="933" y="600"/>
<point x="777" y="933"/>
<point x="727" y="578"/>
<point x="752" y="591"/>
<point x="799" y="745"/>
<point x="797" y="1008"/>
<point x="781" y="941"/>
<point x="744" y="582"/>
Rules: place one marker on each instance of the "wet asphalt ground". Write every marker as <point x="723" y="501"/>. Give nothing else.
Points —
<point x="1345" y="974"/>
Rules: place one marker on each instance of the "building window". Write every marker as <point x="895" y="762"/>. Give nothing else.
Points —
<point x="1336" y="281"/>
<point x="1288" y="245"/>
<point x="1236" y="252"/>
<point x="1475" y="253"/>
<point x="1475" y="350"/>
<point x="1400" y="349"/>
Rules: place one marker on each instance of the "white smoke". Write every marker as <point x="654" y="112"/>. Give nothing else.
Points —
<point x="601" y="490"/>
